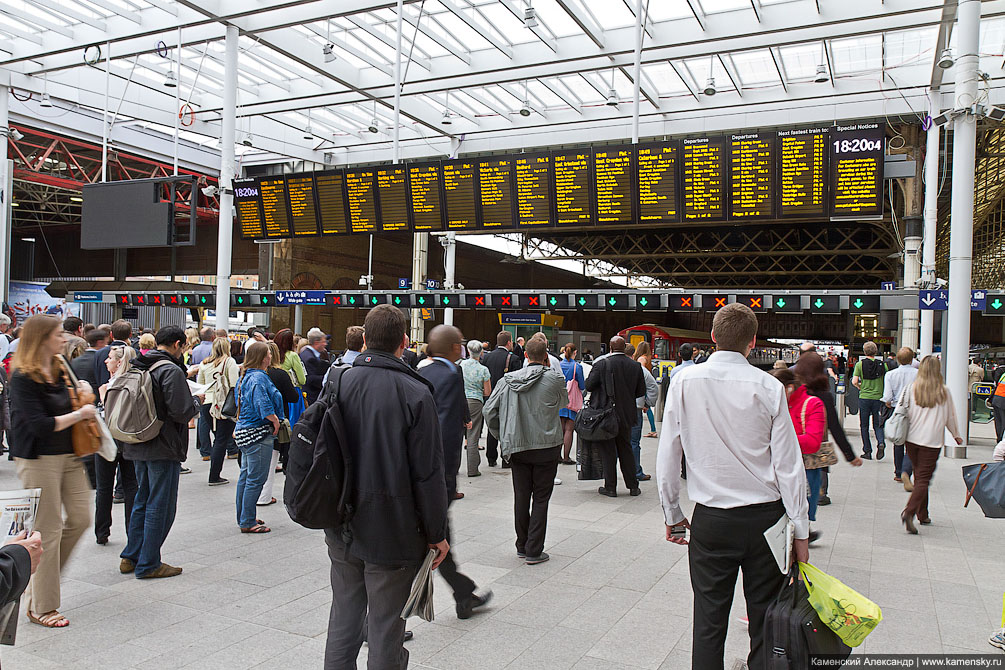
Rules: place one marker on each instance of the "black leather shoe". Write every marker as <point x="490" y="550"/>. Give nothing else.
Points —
<point x="866" y="457"/>
<point x="607" y="492"/>
<point x="635" y="492"/>
<point x="880" y="452"/>
<point x="102" y="540"/>
<point x="467" y="608"/>
<point x="534" y="560"/>
<point x="814" y="536"/>
<point x="409" y="635"/>
<point x="824" y="500"/>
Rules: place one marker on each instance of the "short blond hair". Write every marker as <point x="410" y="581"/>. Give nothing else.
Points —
<point x="734" y="326"/>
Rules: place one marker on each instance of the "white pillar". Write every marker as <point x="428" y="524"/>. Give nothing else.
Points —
<point x="449" y="271"/>
<point x="226" y="231"/>
<point x="912" y="272"/>
<point x="298" y="319"/>
<point x="927" y="335"/>
<point x="637" y="72"/>
<point x="6" y="195"/>
<point x="961" y="235"/>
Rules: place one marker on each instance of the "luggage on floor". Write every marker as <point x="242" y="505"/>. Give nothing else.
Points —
<point x="794" y="632"/>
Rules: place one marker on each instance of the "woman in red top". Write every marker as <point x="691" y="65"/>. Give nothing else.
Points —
<point x="810" y="420"/>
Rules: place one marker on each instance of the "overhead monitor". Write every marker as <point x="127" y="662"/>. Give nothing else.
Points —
<point x="332" y="206"/>
<point x="361" y="194"/>
<point x="614" y="177"/>
<point x="392" y="194"/>
<point x="459" y="191"/>
<point x="533" y="190"/>
<point x="303" y="212"/>
<point x="704" y="178"/>
<point x="495" y="194"/>
<point x="424" y="185"/>
<point x="802" y="167"/>
<point x="275" y="214"/>
<point x="856" y="157"/>
<point x="248" y="205"/>
<point x="657" y="178"/>
<point x="752" y="175"/>
<point x="573" y="174"/>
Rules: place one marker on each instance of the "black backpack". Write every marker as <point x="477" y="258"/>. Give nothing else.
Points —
<point x="318" y="468"/>
<point x="794" y="632"/>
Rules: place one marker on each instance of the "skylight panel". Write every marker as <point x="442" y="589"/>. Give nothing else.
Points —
<point x="612" y="13"/>
<point x="506" y="25"/>
<point x="664" y="78"/>
<point x="556" y="18"/>
<point x="799" y="61"/>
<point x="909" y="47"/>
<point x="665" y="10"/>
<point x="755" y="67"/>
<point x="856" y="55"/>
<point x="582" y="89"/>
<point x="716" y="6"/>
<point x="541" y="92"/>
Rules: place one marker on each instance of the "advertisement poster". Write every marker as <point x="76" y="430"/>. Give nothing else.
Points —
<point x="29" y="298"/>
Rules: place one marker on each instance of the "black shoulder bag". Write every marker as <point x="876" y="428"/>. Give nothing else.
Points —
<point x="597" y="424"/>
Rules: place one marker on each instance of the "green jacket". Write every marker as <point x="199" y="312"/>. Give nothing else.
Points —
<point x="522" y="411"/>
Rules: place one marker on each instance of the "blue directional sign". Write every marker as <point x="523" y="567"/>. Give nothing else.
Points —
<point x="432" y="284"/>
<point x="888" y="286"/>
<point x="978" y="300"/>
<point x="87" y="296"/>
<point x="934" y="300"/>
<point x="300" y="297"/>
<point x="404" y="283"/>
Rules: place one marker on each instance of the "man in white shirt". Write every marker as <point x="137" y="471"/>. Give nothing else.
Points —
<point x="745" y="473"/>
<point x="894" y="383"/>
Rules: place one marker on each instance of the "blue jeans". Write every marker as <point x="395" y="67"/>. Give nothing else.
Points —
<point x="813" y="478"/>
<point x="901" y="461"/>
<point x="203" y="439"/>
<point x="637" y="444"/>
<point x="153" y="513"/>
<point x="652" y="420"/>
<point x="870" y="408"/>
<point x="256" y="458"/>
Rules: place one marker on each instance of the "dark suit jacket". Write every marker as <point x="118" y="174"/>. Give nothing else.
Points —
<point x="495" y="361"/>
<point x="629" y="384"/>
<point x="101" y="375"/>
<point x="83" y="367"/>
<point x="452" y="411"/>
<point x="315" y="367"/>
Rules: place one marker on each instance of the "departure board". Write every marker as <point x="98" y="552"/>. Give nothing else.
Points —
<point x="752" y="175"/>
<point x="362" y="198"/>
<point x="424" y="186"/>
<point x="802" y="172"/>
<point x="657" y="168"/>
<point x="704" y="178"/>
<point x="856" y="154"/>
<point x="533" y="190"/>
<point x="459" y="194"/>
<point x="274" y="214"/>
<point x="613" y="177"/>
<point x="392" y="192"/>
<point x="303" y="214"/>
<point x="331" y="202"/>
<point x="495" y="193"/>
<point x="573" y="188"/>
<point x="248" y="203"/>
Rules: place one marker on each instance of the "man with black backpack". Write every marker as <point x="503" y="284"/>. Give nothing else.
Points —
<point x="868" y="379"/>
<point x="500" y="361"/>
<point x="398" y="495"/>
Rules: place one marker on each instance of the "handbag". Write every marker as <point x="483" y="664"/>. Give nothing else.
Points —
<point x="285" y="433"/>
<point x="794" y="632"/>
<point x="824" y="456"/>
<point x="575" y="395"/>
<point x="986" y="484"/>
<point x="85" y="435"/>
<point x="898" y="424"/>
<point x="597" y="424"/>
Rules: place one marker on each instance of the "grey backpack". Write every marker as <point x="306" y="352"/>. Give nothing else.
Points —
<point x="129" y="405"/>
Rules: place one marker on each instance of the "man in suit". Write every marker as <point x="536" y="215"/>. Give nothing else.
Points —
<point x="315" y="359"/>
<point x="444" y="349"/>
<point x="121" y="332"/>
<point x="83" y="365"/>
<point x="617" y="378"/>
<point x="500" y="361"/>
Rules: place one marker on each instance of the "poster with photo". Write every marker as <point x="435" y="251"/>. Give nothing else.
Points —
<point x="29" y="298"/>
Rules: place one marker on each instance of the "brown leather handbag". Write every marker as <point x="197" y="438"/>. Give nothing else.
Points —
<point x="85" y="435"/>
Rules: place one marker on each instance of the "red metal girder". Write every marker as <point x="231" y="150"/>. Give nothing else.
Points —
<point x="45" y="154"/>
<point x="47" y="179"/>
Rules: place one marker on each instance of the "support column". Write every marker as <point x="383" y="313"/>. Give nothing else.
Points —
<point x="298" y="319"/>
<point x="226" y="229"/>
<point x="961" y="235"/>
<point x="637" y="72"/>
<point x="927" y="335"/>
<point x="449" y="242"/>
<point x="6" y="193"/>
<point x="912" y="272"/>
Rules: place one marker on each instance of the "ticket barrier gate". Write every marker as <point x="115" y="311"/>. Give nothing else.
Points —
<point x="980" y="396"/>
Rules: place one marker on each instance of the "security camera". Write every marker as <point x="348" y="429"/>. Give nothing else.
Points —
<point x="12" y="133"/>
<point x="943" y="118"/>
<point x="941" y="283"/>
<point x="247" y="141"/>
<point x="209" y="191"/>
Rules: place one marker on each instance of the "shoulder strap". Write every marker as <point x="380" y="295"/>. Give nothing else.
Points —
<point x="506" y="367"/>
<point x="805" y="405"/>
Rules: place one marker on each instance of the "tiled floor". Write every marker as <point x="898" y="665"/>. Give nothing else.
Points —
<point x="614" y="595"/>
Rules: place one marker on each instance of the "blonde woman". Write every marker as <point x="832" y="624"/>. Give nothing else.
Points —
<point x="41" y="445"/>
<point x="218" y="372"/>
<point x="117" y="363"/>
<point x="929" y="415"/>
<point x="147" y="342"/>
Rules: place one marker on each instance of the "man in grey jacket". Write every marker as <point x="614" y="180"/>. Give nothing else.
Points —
<point x="522" y="413"/>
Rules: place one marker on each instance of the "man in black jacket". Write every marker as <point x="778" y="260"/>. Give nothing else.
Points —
<point x="158" y="461"/>
<point x="616" y="377"/>
<point x="444" y="347"/>
<point x="83" y="365"/>
<point x="399" y="494"/>
<point x="122" y="330"/>
<point x="500" y="361"/>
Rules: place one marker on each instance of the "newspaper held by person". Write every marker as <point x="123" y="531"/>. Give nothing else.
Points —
<point x="17" y="514"/>
<point x="420" y="599"/>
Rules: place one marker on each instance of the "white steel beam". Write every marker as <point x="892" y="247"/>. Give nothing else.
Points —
<point x="584" y="20"/>
<point x="942" y="40"/>
<point x="541" y="31"/>
<point x="421" y="58"/>
<point x="562" y="92"/>
<point x="647" y="88"/>
<point x="68" y="10"/>
<point x="455" y="49"/>
<point x="487" y="34"/>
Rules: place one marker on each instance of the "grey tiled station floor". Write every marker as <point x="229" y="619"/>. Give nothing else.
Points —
<point x="614" y="595"/>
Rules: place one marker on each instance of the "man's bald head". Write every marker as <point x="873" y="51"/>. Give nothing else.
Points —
<point x="618" y="343"/>
<point x="442" y="339"/>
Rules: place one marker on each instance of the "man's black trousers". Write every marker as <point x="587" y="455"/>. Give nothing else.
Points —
<point x="533" y="474"/>
<point x="460" y="583"/>
<point x="619" y="450"/>
<point x="722" y="541"/>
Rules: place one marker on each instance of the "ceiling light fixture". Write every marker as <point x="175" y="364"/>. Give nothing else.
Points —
<point x="76" y="198"/>
<point x="821" y="77"/>
<point x="530" y="17"/>
<point x="710" y="87"/>
<point x="612" y="98"/>
<point x="328" y="52"/>
<point x="45" y="101"/>
<point x="946" y="59"/>
<point x="373" y="126"/>
<point x="247" y="141"/>
<point x="446" y="121"/>
<point x="170" y="81"/>
<point x="525" y="109"/>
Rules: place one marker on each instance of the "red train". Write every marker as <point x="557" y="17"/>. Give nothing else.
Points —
<point x="666" y="342"/>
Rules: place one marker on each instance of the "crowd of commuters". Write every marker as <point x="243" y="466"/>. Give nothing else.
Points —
<point x="752" y="443"/>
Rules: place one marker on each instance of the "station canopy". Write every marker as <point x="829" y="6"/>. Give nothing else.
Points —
<point x="316" y="79"/>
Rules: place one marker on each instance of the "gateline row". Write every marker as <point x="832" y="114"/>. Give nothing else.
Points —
<point x="782" y="302"/>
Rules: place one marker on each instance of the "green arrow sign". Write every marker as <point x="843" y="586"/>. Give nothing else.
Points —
<point x="612" y="301"/>
<point x="265" y="299"/>
<point x="780" y="302"/>
<point x="553" y="301"/>
<point x="422" y="300"/>
<point x="373" y="300"/>
<point x="446" y="300"/>
<point x="582" y="301"/>
<point x="643" y="301"/>
<point x="184" y="299"/>
<point x="397" y="300"/>
<point x="352" y="300"/>
<point x="997" y="304"/>
<point x="203" y="299"/>
<point x="858" y="303"/>
<point x="819" y="303"/>
<point x="240" y="300"/>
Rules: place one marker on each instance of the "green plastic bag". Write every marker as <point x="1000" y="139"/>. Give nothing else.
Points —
<point x="845" y="611"/>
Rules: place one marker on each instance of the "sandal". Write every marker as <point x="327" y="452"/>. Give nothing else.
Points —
<point x="51" y="619"/>
<point x="271" y="502"/>
<point x="650" y="435"/>
<point x="257" y="528"/>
